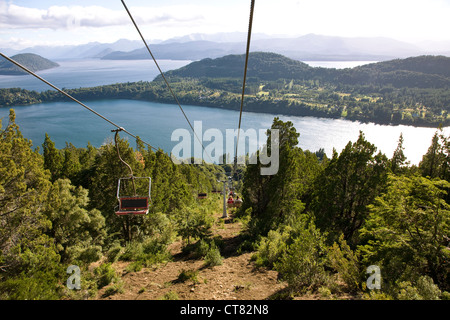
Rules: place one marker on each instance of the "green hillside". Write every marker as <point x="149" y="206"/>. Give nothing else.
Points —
<point x="32" y="61"/>
<point x="416" y="72"/>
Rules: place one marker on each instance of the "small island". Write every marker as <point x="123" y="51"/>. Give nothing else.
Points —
<point x="32" y="61"/>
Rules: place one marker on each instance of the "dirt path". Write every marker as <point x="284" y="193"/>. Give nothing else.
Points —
<point x="236" y="278"/>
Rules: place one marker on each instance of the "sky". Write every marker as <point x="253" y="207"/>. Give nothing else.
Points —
<point x="25" y="23"/>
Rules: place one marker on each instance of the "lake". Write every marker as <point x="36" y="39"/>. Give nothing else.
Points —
<point x="155" y="122"/>
<point x="91" y="72"/>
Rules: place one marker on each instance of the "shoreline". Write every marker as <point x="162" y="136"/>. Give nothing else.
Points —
<point x="275" y="114"/>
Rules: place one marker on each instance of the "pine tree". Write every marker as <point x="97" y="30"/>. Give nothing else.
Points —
<point x="53" y="159"/>
<point x="73" y="228"/>
<point x="407" y="230"/>
<point x="28" y="261"/>
<point x="348" y="184"/>
<point x="431" y="162"/>
<point x="398" y="161"/>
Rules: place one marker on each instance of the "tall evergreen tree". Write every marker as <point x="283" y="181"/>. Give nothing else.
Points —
<point x="431" y="162"/>
<point x="349" y="183"/>
<point x="277" y="198"/>
<point x="53" y="159"/>
<point x="407" y="231"/>
<point x="28" y="261"/>
<point x="398" y="161"/>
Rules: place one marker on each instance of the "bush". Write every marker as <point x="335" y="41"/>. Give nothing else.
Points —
<point x="105" y="274"/>
<point x="40" y="286"/>
<point x="346" y="263"/>
<point x="113" y="253"/>
<point x="89" y="255"/>
<point x="146" y="254"/>
<point x="194" y="224"/>
<point x="302" y="265"/>
<point x="186" y="275"/>
<point x="112" y="290"/>
<point x="171" y="295"/>
<point x="424" y="289"/>
<point x="213" y="257"/>
<point x="271" y="248"/>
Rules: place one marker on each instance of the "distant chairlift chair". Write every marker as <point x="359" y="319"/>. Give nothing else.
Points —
<point x="202" y="195"/>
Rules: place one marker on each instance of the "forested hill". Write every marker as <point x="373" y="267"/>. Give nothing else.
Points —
<point x="416" y="72"/>
<point x="261" y="65"/>
<point x="32" y="61"/>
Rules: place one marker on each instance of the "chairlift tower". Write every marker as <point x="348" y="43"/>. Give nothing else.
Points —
<point x="225" y="214"/>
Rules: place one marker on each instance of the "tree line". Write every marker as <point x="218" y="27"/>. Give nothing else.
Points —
<point x="385" y="105"/>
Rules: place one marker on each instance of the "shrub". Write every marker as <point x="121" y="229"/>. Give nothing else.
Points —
<point x="186" y="275"/>
<point x="171" y="295"/>
<point x="424" y="289"/>
<point x="346" y="263"/>
<point x="113" y="253"/>
<point x="114" y="289"/>
<point x="150" y="252"/>
<point x="40" y="286"/>
<point x="302" y="265"/>
<point x="213" y="257"/>
<point x="105" y="274"/>
<point x="89" y="255"/>
<point x="271" y="248"/>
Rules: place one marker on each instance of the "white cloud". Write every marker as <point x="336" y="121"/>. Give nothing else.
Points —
<point x="68" y="17"/>
<point x="108" y="21"/>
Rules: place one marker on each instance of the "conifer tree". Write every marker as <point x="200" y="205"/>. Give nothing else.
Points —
<point x="28" y="261"/>
<point x="53" y="159"/>
<point x="349" y="183"/>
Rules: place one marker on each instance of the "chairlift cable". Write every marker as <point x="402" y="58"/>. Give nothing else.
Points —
<point x="163" y="76"/>
<point x="72" y="98"/>
<point x="252" y="7"/>
<point x="123" y="161"/>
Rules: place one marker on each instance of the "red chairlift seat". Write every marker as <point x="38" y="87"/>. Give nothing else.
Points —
<point x="202" y="196"/>
<point x="133" y="205"/>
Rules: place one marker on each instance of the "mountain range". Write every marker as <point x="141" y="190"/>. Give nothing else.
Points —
<point x="199" y="46"/>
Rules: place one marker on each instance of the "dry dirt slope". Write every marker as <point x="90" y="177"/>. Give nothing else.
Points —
<point x="235" y="279"/>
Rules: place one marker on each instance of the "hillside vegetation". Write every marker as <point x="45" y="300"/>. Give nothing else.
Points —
<point x="31" y="61"/>
<point x="314" y="229"/>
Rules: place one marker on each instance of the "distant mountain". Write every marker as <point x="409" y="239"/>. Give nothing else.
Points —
<point x="84" y="51"/>
<point x="417" y="72"/>
<point x="193" y="50"/>
<point x="32" y="61"/>
<point x="308" y="47"/>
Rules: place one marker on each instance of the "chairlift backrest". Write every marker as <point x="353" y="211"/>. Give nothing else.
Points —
<point x="133" y="204"/>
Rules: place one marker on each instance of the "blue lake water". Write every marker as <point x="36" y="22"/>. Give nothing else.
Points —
<point x="91" y="72"/>
<point x="155" y="122"/>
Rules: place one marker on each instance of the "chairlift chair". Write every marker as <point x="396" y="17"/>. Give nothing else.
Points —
<point x="133" y="205"/>
<point x="202" y="195"/>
